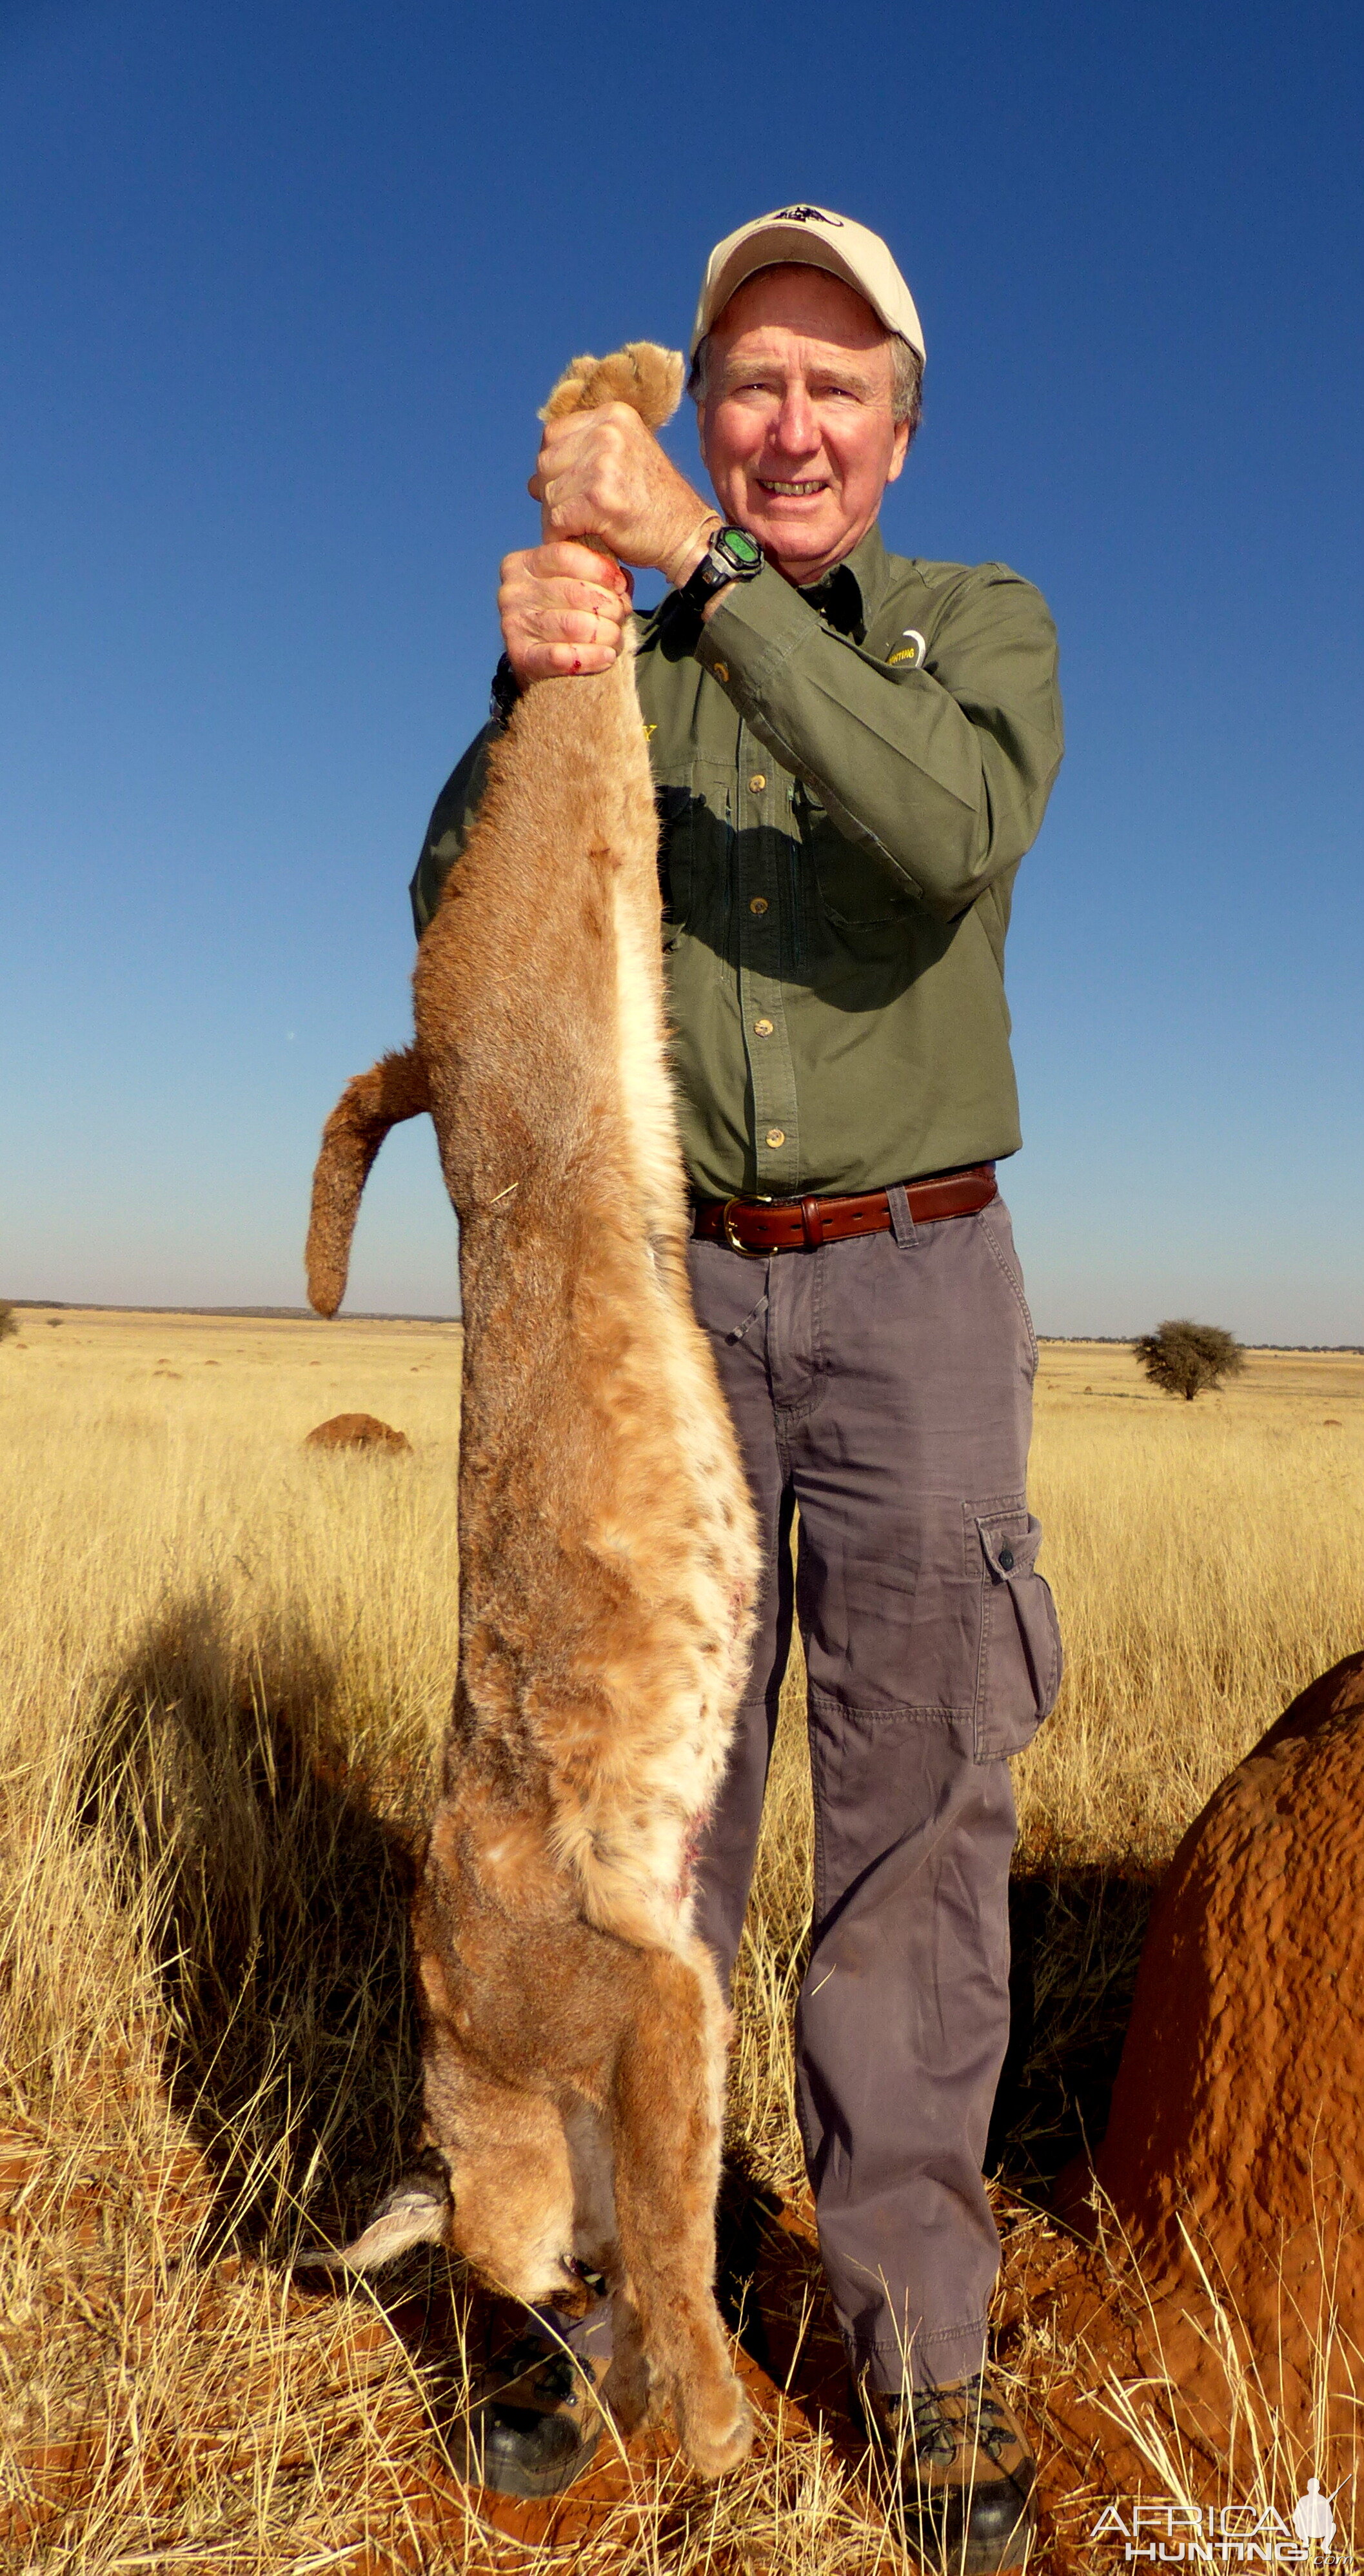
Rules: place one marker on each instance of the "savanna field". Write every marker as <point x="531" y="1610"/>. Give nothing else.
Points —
<point x="226" y="1666"/>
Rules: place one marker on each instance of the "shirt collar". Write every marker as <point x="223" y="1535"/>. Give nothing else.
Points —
<point x="848" y="597"/>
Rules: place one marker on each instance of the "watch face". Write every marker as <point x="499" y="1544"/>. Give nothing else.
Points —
<point x="738" y="548"/>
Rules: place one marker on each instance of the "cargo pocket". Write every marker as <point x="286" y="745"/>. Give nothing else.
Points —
<point x="1020" y="1641"/>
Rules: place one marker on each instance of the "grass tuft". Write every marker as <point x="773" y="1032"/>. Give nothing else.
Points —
<point x="226" y="1668"/>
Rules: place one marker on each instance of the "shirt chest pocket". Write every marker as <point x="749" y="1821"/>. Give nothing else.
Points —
<point x="857" y="891"/>
<point x="695" y="854"/>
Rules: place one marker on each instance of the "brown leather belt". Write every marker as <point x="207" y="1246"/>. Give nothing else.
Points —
<point x="759" y="1226"/>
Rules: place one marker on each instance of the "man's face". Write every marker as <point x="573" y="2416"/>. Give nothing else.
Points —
<point x="796" y="428"/>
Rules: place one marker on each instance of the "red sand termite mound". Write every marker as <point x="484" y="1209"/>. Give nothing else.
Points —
<point x="1231" y="2177"/>
<point x="1239" y="2104"/>
<point x="356" y="1431"/>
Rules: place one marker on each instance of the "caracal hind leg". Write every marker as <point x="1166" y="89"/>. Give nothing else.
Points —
<point x="625" y="2388"/>
<point x="667" y="2106"/>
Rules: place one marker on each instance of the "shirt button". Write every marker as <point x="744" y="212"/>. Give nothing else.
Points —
<point x="762" y="1028"/>
<point x="757" y="782"/>
<point x="759" y="903"/>
<point x="776" y="1136"/>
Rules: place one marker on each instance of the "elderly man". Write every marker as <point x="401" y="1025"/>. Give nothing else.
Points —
<point x="852" y="752"/>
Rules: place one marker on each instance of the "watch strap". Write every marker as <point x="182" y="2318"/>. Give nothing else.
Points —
<point x="732" y="555"/>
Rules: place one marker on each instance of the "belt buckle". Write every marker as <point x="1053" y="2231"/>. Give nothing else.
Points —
<point x="750" y="1251"/>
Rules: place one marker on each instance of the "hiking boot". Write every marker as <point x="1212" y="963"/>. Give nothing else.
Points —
<point x="964" y="2472"/>
<point x="535" y="2423"/>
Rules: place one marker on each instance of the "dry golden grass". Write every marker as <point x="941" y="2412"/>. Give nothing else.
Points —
<point x="226" y="1665"/>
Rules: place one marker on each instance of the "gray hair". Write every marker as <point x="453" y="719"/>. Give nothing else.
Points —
<point x="906" y="379"/>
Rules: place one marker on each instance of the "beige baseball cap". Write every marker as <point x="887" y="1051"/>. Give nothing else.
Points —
<point x="809" y="237"/>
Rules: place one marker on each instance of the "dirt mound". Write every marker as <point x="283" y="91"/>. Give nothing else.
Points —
<point x="1239" y="2104"/>
<point x="1227" y="2244"/>
<point x="356" y="1431"/>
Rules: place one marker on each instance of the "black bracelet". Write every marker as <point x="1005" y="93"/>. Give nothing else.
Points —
<point x="506" y="690"/>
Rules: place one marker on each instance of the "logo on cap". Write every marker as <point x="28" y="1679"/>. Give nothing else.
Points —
<point x="804" y="215"/>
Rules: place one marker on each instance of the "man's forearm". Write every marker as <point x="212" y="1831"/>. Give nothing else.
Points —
<point x="945" y="776"/>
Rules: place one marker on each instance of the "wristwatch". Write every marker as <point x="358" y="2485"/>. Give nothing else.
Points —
<point x="733" y="555"/>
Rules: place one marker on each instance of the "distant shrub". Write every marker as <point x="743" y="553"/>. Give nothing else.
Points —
<point x="1183" y="1358"/>
<point x="9" y="1321"/>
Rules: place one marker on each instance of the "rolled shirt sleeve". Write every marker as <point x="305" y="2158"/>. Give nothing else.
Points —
<point x="941" y="764"/>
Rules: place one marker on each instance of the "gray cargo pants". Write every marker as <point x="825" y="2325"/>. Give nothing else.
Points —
<point x="884" y="1386"/>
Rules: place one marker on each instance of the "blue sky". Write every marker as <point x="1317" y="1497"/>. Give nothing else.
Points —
<point x="282" y="286"/>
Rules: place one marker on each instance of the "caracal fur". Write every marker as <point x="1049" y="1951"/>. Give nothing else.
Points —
<point x="574" y="2028"/>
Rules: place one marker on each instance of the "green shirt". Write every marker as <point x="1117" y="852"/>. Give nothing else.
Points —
<point x="847" y="780"/>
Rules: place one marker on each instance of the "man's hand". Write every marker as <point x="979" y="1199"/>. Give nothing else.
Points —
<point x="563" y="609"/>
<point x="603" y="474"/>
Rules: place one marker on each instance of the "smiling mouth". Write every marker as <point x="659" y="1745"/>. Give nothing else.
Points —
<point x="793" y="491"/>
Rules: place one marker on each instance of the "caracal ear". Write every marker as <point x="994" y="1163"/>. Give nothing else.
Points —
<point x="416" y="2212"/>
